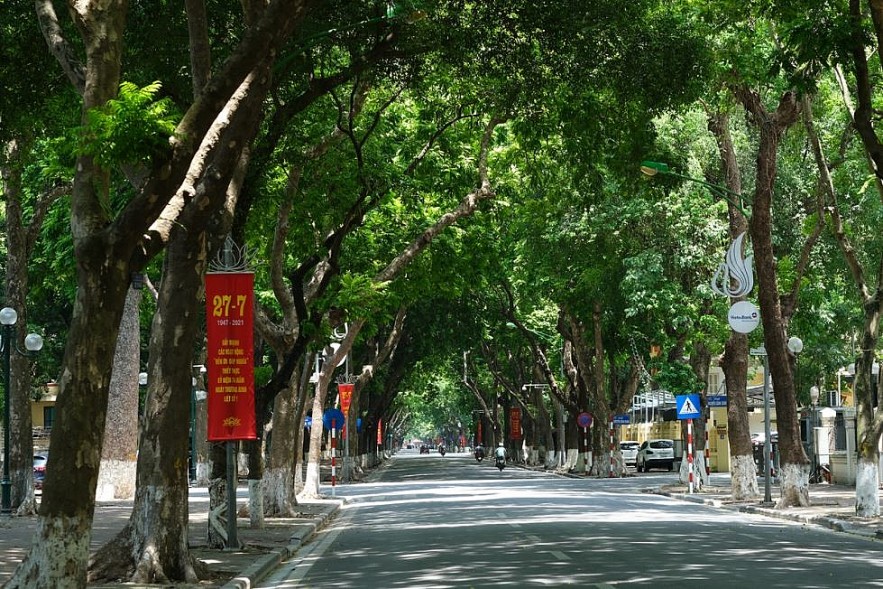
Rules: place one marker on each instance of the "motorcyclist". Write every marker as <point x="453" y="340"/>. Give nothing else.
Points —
<point x="500" y="452"/>
<point x="479" y="452"/>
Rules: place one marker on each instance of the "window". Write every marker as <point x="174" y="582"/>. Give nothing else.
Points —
<point x="48" y="417"/>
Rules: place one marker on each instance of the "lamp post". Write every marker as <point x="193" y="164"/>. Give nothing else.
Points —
<point x="195" y="395"/>
<point x="814" y="393"/>
<point x="650" y="168"/>
<point x="767" y="443"/>
<point x="33" y="344"/>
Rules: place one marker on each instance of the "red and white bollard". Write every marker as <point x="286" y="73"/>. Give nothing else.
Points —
<point x="610" y="475"/>
<point x="333" y="455"/>
<point x="586" y="450"/>
<point x="707" y="456"/>
<point x="690" y="453"/>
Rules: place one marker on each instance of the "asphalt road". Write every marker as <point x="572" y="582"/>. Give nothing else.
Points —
<point x="451" y="522"/>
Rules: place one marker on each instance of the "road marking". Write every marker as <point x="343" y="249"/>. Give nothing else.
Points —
<point x="533" y="538"/>
<point x="291" y="572"/>
<point x="559" y="555"/>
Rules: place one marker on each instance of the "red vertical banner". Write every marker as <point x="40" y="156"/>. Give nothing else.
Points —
<point x="380" y="432"/>
<point x="345" y="391"/>
<point x="229" y="298"/>
<point x="515" y="423"/>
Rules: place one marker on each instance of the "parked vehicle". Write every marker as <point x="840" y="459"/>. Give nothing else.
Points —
<point x="629" y="452"/>
<point x="655" y="454"/>
<point x="758" y="439"/>
<point x="39" y="470"/>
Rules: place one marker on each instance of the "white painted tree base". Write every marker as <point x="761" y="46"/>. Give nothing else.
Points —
<point x="311" y="482"/>
<point x="794" y="482"/>
<point x="277" y="487"/>
<point x="867" y="496"/>
<point x="116" y="480"/>
<point x="56" y="537"/>
<point x="743" y="478"/>
<point x="700" y="476"/>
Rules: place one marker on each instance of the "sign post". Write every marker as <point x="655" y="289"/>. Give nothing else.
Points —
<point x="688" y="408"/>
<point x="584" y="420"/>
<point x="229" y="298"/>
<point x="345" y="390"/>
<point x="330" y="419"/>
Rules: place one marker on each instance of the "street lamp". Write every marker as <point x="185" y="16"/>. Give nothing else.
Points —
<point x="650" y="168"/>
<point x="33" y="344"/>
<point x="767" y="443"/>
<point x="195" y="395"/>
<point x="814" y="393"/>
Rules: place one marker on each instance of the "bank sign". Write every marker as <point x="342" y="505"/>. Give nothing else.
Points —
<point x="744" y="317"/>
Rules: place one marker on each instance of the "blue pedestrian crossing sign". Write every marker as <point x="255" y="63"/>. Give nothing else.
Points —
<point x="688" y="406"/>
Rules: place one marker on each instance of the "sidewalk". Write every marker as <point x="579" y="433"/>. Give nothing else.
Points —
<point x="262" y="549"/>
<point x="832" y="506"/>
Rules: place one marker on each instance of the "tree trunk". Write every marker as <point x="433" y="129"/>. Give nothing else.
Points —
<point x="60" y="552"/>
<point x="21" y="431"/>
<point x="743" y="474"/>
<point x="21" y="445"/>
<point x="870" y="427"/>
<point x="794" y="463"/>
<point x="20" y="239"/>
<point x="312" y="480"/>
<point x="278" y="481"/>
<point x="153" y="547"/>
<point x="116" y="476"/>
<point x="285" y="453"/>
<point x="867" y="496"/>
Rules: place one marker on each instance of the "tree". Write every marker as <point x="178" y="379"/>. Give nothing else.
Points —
<point x="34" y="106"/>
<point x="110" y="245"/>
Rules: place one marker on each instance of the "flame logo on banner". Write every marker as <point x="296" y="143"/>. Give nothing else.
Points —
<point x="735" y="277"/>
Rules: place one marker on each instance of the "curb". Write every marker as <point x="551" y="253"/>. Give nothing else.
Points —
<point x="266" y="564"/>
<point x="825" y="521"/>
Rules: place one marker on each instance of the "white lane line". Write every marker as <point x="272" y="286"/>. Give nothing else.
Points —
<point x="292" y="572"/>
<point x="559" y="555"/>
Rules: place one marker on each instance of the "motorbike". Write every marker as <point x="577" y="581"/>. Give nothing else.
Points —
<point x="500" y="462"/>
<point x="479" y="453"/>
<point x="441" y="450"/>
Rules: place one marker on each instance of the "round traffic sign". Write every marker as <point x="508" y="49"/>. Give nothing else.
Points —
<point x="584" y="419"/>
<point x="333" y="417"/>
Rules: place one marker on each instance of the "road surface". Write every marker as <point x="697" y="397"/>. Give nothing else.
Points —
<point x="451" y="522"/>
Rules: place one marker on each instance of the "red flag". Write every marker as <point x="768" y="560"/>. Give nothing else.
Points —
<point x="346" y="396"/>
<point x="229" y="301"/>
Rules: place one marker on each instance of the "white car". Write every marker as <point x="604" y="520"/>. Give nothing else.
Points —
<point x="629" y="451"/>
<point x="656" y="454"/>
